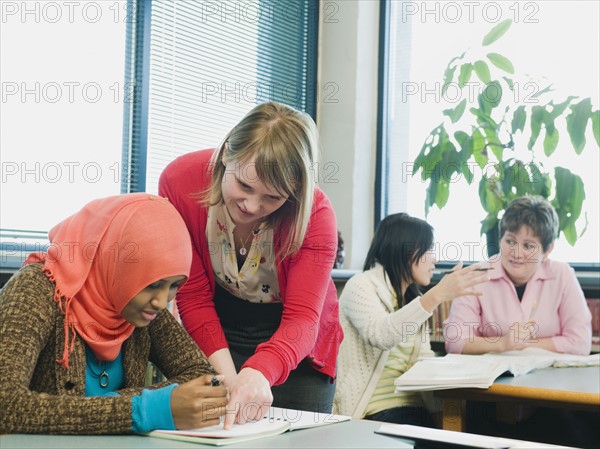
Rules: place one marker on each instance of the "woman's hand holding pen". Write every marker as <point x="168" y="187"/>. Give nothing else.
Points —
<point x="199" y="403"/>
<point x="458" y="282"/>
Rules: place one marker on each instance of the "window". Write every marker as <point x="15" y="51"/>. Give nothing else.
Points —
<point x="203" y="65"/>
<point x="62" y="66"/>
<point x="422" y="37"/>
<point x="98" y="97"/>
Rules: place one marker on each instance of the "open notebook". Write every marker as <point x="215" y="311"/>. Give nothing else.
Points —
<point x="480" y="371"/>
<point x="277" y="421"/>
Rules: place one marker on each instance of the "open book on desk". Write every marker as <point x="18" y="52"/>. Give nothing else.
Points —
<point x="480" y="371"/>
<point x="275" y="422"/>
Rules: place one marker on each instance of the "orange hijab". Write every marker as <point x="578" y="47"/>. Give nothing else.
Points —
<point x="104" y="255"/>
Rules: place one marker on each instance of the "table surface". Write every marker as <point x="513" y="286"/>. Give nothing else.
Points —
<point x="357" y="433"/>
<point x="572" y="386"/>
<point x="583" y="379"/>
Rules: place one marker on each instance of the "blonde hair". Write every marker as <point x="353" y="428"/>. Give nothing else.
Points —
<point x="284" y="143"/>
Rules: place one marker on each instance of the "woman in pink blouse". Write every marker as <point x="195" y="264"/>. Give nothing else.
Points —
<point x="530" y="300"/>
<point x="260" y="301"/>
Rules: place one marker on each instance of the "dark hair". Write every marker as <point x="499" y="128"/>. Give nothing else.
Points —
<point x="535" y="212"/>
<point x="399" y="241"/>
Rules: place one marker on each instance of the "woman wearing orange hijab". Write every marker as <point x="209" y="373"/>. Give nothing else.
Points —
<point x="80" y="322"/>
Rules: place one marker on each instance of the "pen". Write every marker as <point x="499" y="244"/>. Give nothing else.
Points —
<point x="215" y="382"/>
<point x="476" y="269"/>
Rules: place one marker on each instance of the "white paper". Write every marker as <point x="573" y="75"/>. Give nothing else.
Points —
<point x="276" y="421"/>
<point x="480" y="371"/>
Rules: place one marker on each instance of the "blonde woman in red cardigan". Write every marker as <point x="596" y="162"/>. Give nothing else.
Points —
<point x="260" y="301"/>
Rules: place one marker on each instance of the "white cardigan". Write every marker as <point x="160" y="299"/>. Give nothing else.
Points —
<point x="371" y="329"/>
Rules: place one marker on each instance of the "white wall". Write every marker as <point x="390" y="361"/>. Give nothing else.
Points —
<point x="347" y="118"/>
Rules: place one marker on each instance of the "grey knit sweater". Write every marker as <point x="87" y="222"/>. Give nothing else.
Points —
<point x="38" y="395"/>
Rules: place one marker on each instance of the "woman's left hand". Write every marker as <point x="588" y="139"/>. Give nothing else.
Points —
<point x="249" y="397"/>
<point x="459" y="282"/>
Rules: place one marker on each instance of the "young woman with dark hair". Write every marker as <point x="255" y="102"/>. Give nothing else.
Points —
<point x="384" y="330"/>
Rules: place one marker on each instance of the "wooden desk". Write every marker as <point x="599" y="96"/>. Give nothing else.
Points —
<point x="573" y="388"/>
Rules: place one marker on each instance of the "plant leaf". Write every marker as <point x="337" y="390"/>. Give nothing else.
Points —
<point x="509" y="82"/>
<point x="596" y="126"/>
<point x="568" y="201"/>
<point x="478" y="147"/>
<point x="518" y="121"/>
<point x="538" y="114"/>
<point x="431" y="193"/>
<point x="570" y="233"/>
<point x="550" y="140"/>
<point x="492" y="94"/>
<point x="456" y="113"/>
<point x="456" y="58"/>
<point x="465" y="74"/>
<point x="484" y="119"/>
<point x="488" y="223"/>
<point x="427" y="157"/>
<point x="577" y="123"/>
<point x="483" y="71"/>
<point x="516" y="181"/>
<point x="490" y="196"/>
<point x="497" y="32"/>
<point x="570" y="191"/>
<point x="461" y="137"/>
<point x="539" y="93"/>
<point x="442" y="193"/>
<point x="502" y="62"/>
<point x="438" y="160"/>
<point x="493" y="142"/>
<point x="448" y="78"/>
<point x="558" y="109"/>
<point x="466" y="144"/>
<point x="541" y="180"/>
<point x="427" y="160"/>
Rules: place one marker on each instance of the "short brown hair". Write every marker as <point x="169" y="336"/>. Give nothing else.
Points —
<point x="533" y="211"/>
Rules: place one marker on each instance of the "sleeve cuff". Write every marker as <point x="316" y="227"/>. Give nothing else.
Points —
<point x="152" y="410"/>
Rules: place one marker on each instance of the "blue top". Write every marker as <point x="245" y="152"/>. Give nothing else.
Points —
<point x="150" y="410"/>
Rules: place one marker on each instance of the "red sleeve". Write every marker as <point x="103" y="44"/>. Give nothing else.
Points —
<point x="181" y="182"/>
<point x="304" y="282"/>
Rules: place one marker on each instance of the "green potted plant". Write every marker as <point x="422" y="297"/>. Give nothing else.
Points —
<point x="482" y="132"/>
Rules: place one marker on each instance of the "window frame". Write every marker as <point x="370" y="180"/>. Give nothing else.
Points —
<point x="382" y="148"/>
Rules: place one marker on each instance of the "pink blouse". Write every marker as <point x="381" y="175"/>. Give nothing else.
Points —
<point x="553" y="299"/>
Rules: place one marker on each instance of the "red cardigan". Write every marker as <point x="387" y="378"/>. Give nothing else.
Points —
<point x="310" y="325"/>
